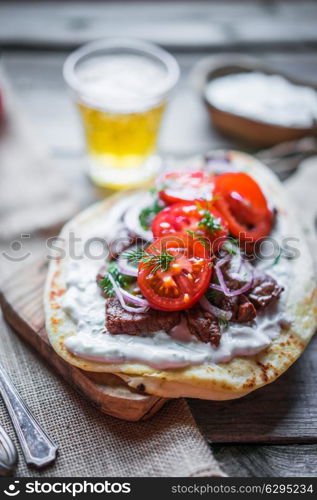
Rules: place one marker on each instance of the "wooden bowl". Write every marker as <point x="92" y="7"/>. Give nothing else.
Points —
<point x="254" y="132"/>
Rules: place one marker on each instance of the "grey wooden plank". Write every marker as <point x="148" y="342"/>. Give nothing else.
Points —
<point x="71" y="25"/>
<point x="268" y="461"/>
<point x="173" y="24"/>
<point x="37" y="80"/>
<point x="282" y="412"/>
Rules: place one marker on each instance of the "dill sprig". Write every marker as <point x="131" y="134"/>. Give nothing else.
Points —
<point x="210" y="222"/>
<point x="134" y="256"/>
<point x="276" y="260"/>
<point x="123" y="280"/>
<point x="223" y="322"/>
<point x="158" y="261"/>
<point x="213" y="295"/>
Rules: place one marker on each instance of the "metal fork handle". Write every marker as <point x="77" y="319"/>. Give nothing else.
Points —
<point x="37" y="447"/>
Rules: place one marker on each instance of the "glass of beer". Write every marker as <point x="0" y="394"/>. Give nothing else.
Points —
<point x="121" y="88"/>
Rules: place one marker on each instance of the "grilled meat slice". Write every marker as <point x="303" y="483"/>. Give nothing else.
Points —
<point x="240" y="306"/>
<point x="203" y="325"/>
<point x="264" y="290"/>
<point x="118" y="320"/>
<point x="227" y="303"/>
<point x="236" y="272"/>
<point x="246" y="310"/>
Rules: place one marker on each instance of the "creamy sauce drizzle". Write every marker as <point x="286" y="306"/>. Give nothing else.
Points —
<point x="85" y="306"/>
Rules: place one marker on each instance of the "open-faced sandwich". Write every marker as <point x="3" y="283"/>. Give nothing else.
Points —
<point x="201" y="287"/>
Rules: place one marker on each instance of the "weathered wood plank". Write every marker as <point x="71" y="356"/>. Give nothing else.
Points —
<point x="268" y="461"/>
<point x="37" y="80"/>
<point x="38" y="83"/>
<point x="173" y="24"/>
<point x="285" y="411"/>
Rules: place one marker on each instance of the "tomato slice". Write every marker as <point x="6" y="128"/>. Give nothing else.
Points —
<point x="198" y="217"/>
<point x="241" y="201"/>
<point x="175" y="272"/>
<point x="185" y="186"/>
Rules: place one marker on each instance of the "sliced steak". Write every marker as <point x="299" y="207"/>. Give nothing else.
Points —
<point x="264" y="290"/>
<point x="203" y="325"/>
<point x="240" y="306"/>
<point x="246" y="310"/>
<point x="227" y="303"/>
<point x="118" y="320"/>
<point x="236" y="272"/>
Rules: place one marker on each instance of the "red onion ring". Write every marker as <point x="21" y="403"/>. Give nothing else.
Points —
<point x="126" y="268"/>
<point x="132" y="222"/>
<point x="216" y="311"/>
<point x="223" y="286"/>
<point x="123" y="294"/>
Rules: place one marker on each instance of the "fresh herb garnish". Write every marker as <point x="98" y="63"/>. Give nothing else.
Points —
<point x="276" y="260"/>
<point x="223" y="322"/>
<point x="148" y="213"/>
<point x="134" y="256"/>
<point x="123" y="280"/>
<point x="160" y="261"/>
<point x="209" y="222"/>
<point x="213" y="295"/>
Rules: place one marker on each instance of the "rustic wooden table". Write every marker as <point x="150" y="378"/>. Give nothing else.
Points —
<point x="35" y="40"/>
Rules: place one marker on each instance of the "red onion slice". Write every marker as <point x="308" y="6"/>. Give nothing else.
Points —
<point x="131" y="217"/>
<point x="223" y="286"/>
<point x="216" y="311"/>
<point x="126" y="268"/>
<point x="123" y="294"/>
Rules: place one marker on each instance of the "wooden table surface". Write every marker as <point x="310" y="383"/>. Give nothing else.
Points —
<point x="34" y="42"/>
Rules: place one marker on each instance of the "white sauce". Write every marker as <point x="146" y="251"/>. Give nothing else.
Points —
<point x="86" y="307"/>
<point x="268" y="98"/>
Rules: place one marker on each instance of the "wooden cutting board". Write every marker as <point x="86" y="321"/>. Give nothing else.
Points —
<point x="21" y="302"/>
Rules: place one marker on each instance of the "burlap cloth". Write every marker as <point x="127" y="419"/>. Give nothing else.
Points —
<point x="34" y="196"/>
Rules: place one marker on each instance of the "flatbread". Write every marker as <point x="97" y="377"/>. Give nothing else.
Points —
<point x="221" y="381"/>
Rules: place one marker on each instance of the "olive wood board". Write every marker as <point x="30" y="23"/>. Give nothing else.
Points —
<point x="21" y="299"/>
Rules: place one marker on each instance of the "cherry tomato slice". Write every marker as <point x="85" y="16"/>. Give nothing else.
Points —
<point x="241" y="201"/>
<point x="199" y="217"/>
<point x="186" y="186"/>
<point x="175" y="272"/>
